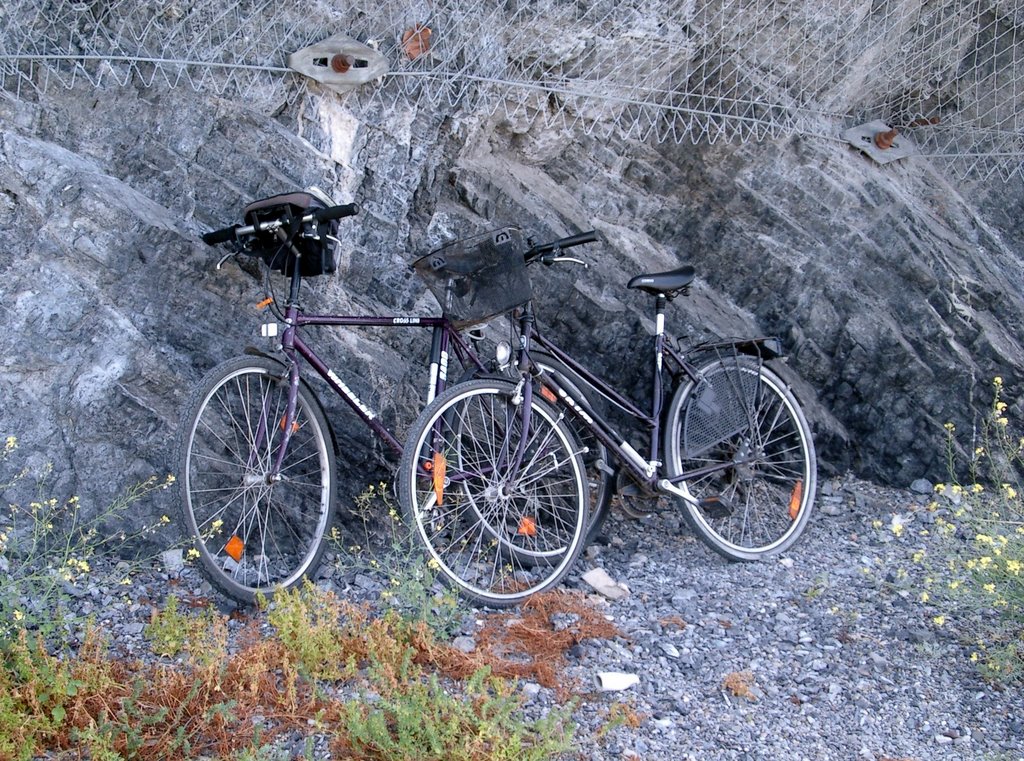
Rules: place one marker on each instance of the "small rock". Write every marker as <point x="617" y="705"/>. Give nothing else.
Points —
<point x="599" y="579"/>
<point x="531" y="690"/>
<point x="464" y="644"/>
<point x="832" y="508"/>
<point x="921" y="486"/>
<point x="669" y="649"/>
<point x="173" y="560"/>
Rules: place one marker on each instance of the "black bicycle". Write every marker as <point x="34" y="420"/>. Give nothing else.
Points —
<point x="494" y="473"/>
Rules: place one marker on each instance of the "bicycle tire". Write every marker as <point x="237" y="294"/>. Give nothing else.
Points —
<point x="742" y="416"/>
<point x="254" y="536"/>
<point x="599" y="471"/>
<point x="496" y="537"/>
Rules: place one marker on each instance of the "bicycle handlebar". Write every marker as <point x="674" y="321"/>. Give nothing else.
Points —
<point x="555" y="246"/>
<point x="234" y="232"/>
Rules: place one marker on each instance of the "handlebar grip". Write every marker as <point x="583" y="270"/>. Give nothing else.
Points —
<point x="336" y="212"/>
<point x="577" y="240"/>
<point x="573" y="240"/>
<point x="214" y="237"/>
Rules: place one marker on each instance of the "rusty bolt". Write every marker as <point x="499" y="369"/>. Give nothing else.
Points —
<point x="884" y="140"/>
<point x="341" y="63"/>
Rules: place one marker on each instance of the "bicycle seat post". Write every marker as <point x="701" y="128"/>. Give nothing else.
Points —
<point x="657" y="385"/>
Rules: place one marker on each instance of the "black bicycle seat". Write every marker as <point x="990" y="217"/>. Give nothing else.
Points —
<point x="657" y="283"/>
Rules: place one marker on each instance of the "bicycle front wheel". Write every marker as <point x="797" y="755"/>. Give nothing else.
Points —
<point x="502" y="518"/>
<point x="256" y="528"/>
<point x="740" y="439"/>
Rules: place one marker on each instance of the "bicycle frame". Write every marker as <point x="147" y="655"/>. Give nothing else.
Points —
<point x="444" y="340"/>
<point x="647" y="471"/>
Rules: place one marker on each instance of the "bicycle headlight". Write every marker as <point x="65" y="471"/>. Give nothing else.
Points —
<point x="503" y="354"/>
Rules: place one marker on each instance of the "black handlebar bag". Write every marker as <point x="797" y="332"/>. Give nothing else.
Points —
<point x="317" y="242"/>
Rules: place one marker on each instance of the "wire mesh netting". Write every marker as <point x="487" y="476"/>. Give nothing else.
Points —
<point x="950" y="73"/>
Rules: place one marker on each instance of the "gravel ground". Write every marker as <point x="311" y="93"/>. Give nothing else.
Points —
<point x="842" y="660"/>
<point x="820" y="654"/>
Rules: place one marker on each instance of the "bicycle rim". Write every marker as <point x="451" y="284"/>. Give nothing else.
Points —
<point x="742" y="423"/>
<point x="256" y="532"/>
<point x="497" y="533"/>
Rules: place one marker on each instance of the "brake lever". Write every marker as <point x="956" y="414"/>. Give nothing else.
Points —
<point x="224" y="258"/>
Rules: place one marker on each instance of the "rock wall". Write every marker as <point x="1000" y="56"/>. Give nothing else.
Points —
<point x="898" y="295"/>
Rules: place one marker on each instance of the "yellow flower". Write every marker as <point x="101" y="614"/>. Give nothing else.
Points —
<point x="990" y="588"/>
<point x="164" y="520"/>
<point x="983" y="539"/>
<point x="18" y="615"/>
<point x="11" y="444"/>
<point x="918" y="556"/>
<point x="876" y="523"/>
<point x="954" y="584"/>
<point x="985" y="561"/>
<point x="974" y="657"/>
<point x="192" y="554"/>
<point x="1013" y="566"/>
<point x="949" y="427"/>
<point x="924" y="597"/>
<point x="939" y="620"/>
<point x="1002" y="421"/>
<point x="977" y="488"/>
<point x="997" y="381"/>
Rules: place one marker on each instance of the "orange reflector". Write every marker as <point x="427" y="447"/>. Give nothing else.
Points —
<point x="234" y="548"/>
<point x="295" y="424"/>
<point x="548" y="394"/>
<point x="527" y="526"/>
<point x="265" y="303"/>
<point x="440" y="465"/>
<point x="795" y="499"/>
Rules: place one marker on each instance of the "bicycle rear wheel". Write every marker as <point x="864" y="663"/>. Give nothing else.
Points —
<point x="741" y="434"/>
<point x="255" y="531"/>
<point x="497" y="533"/>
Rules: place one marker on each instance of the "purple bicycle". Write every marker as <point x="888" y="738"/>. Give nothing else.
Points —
<point x="256" y="454"/>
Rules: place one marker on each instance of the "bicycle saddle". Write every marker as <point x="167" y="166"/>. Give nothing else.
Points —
<point x="666" y="283"/>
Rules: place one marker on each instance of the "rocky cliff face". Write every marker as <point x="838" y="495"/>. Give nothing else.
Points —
<point x="898" y="295"/>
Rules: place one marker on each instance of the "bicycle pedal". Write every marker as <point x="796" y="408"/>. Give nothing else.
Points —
<point x="716" y="507"/>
